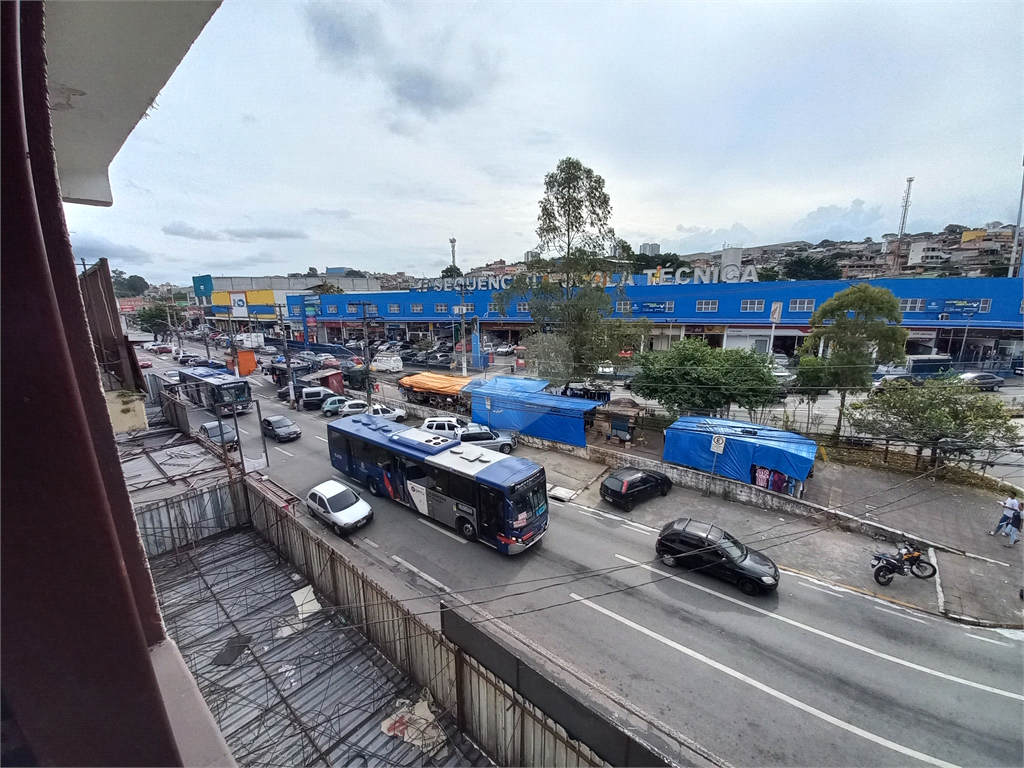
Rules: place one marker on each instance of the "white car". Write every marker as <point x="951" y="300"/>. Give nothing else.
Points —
<point x="338" y="506"/>
<point x="449" y="426"/>
<point x="386" y="362"/>
<point x="351" y="408"/>
<point x="606" y="368"/>
<point x="391" y="414"/>
<point x="505" y="349"/>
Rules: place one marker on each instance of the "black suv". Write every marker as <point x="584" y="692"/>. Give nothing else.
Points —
<point x="626" y="486"/>
<point x="707" y="548"/>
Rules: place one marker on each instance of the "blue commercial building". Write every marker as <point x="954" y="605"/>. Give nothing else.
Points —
<point x="982" y="316"/>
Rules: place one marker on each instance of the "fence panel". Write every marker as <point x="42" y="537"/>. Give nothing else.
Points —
<point x="510" y="729"/>
<point x="174" y="522"/>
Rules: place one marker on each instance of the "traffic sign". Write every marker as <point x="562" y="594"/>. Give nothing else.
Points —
<point x="718" y="444"/>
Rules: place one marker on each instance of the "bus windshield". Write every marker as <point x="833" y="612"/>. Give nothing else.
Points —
<point x="233" y="393"/>
<point x="529" y="502"/>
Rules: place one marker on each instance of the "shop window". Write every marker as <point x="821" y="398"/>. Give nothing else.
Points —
<point x="371" y="309"/>
<point x="670" y="306"/>
<point x="394" y="309"/>
<point x="625" y="307"/>
<point x="986" y="305"/>
<point x="523" y="307"/>
<point x="707" y="305"/>
<point x="439" y="308"/>
<point x="416" y="309"/>
<point x="752" y="305"/>
<point x="353" y="309"/>
<point x="492" y="307"/>
<point x="332" y="309"/>
<point x="469" y="307"/>
<point x="801" y="305"/>
<point x="295" y="310"/>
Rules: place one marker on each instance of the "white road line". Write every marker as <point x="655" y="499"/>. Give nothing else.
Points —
<point x="826" y="635"/>
<point x="767" y="688"/>
<point x="820" y="589"/>
<point x="425" y="576"/>
<point x="589" y="514"/>
<point x="282" y="450"/>
<point x="242" y="431"/>
<point x="939" y="595"/>
<point x="901" y="615"/>
<point x="989" y="640"/>
<point x="449" y="534"/>
<point x="320" y="438"/>
<point x="371" y="543"/>
<point x="637" y="528"/>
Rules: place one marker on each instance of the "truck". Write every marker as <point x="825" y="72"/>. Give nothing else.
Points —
<point x="249" y="340"/>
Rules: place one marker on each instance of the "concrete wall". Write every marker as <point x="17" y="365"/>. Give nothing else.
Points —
<point x="127" y="410"/>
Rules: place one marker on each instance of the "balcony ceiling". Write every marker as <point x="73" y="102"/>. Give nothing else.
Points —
<point x="107" y="61"/>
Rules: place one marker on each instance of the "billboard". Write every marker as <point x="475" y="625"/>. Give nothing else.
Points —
<point x="239" y="306"/>
<point x="203" y="285"/>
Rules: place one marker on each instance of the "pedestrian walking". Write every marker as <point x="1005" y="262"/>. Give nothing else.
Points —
<point x="1010" y="506"/>
<point x="1014" y="528"/>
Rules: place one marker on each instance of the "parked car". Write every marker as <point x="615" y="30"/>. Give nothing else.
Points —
<point x="145" y="363"/>
<point x="281" y="428"/>
<point x="783" y="375"/>
<point x="216" y="364"/>
<point x="308" y="357"/>
<point x="333" y="363"/>
<point x="708" y="549"/>
<point x="163" y="349"/>
<point x="282" y="393"/>
<point x="894" y="378"/>
<point x="191" y="361"/>
<point x="266" y="349"/>
<point x="391" y="414"/>
<point x="605" y="368"/>
<point x="212" y="431"/>
<point x="352" y="408"/>
<point x="449" y="426"/>
<point x="504" y="349"/>
<point x="340" y="507"/>
<point x="172" y="376"/>
<point x="332" y="405"/>
<point x="312" y="398"/>
<point x="484" y="437"/>
<point x="627" y="486"/>
<point x="781" y="360"/>
<point x="440" y="360"/>
<point x="149" y="345"/>
<point x="981" y="380"/>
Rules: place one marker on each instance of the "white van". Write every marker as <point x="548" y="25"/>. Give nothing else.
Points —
<point x="387" y="363"/>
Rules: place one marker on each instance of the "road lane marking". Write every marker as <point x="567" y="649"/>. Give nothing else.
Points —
<point x="766" y="688"/>
<point x="242" y="431"/>
<point x="449" y="534"/>
<point x="637" y="528"/>
<point x="426" y="577"/>
<point x="901" y="615"/>
<point x="589" y="514"/>
<point x="820" y="589"/>
<point x="828" y="636"/>
<point x="989" y="640"/>
<point x="282" y="450"/>
<point x="320" y="438"/>
<point x="371" y="543"/>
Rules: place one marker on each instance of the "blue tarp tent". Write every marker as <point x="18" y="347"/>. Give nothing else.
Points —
<point x="519" y="404"/>
<point x="688" y="442"/>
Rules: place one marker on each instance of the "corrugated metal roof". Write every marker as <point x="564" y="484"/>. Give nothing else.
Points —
<point x="307" y="690"/>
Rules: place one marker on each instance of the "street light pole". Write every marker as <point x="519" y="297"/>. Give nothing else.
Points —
<point x="462" y="310"/>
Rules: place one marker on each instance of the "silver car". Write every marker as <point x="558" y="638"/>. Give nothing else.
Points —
<point x="981" y="380"/>
<point x="496" y="440"/>
<point x="211" y="430"/>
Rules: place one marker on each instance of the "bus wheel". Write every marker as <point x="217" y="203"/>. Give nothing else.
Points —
<point x="371" y="486"/>
<point x="466" y="529"/>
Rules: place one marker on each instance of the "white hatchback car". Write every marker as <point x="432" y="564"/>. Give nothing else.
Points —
<point x="449" y="426"/>
<point x="338" y="506"/>
<point x="391" y="414"/>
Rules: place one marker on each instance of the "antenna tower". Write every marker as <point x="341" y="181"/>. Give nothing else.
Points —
<point x="897" y="256"/>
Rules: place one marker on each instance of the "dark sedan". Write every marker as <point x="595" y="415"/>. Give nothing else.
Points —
<point x="981" y="380"/>
<point x="708" y="549"/>
<point x="281" y="428"/>
<point x="629" y="485"/>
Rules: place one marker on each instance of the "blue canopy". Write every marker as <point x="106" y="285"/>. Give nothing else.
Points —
<point x="518" y="404"/>
<point x="688" y="442"/>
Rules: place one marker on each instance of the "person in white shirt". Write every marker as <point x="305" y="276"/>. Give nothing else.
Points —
<point x="1010" y="506"/>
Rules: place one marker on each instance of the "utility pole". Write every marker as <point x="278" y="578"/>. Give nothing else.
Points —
<point x="285" y="333"/>
<point x="1015" y="259"/>
<point x="366" y="357"/>
<point x="462" y="309"/>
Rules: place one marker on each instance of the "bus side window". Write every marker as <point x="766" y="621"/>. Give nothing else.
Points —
<point x="339" y="443"/>
<point x="462" y="489"/>
<point x="416" y="473"/>
<point x="439" y="478"/>
<point x="489" y="511"/>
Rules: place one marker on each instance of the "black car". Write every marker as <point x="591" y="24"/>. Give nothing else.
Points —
<point x="707" y="548"/>
<point x="281" y="428"/>
<point x="895" y="379"/>
<point x="440" y="360"/>
<point x="282" y="393"/>
<point x="628" y="485"/>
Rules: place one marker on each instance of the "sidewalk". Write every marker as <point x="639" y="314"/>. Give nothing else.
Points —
<point x="980" y="586"/>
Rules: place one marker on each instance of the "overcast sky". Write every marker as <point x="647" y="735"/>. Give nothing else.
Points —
<point x="367" y="134"/>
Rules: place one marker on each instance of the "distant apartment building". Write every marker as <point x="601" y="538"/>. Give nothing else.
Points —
<point x="650" y="249"/>
<point x="530" y="256"/>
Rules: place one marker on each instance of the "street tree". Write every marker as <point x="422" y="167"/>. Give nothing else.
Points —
<point x="155" y="319"/>
<point x="326" y="288"/>
<point x="452" y="271"/>
<point x="803" y="266"/>
<point x="694" y="377"/>
<point x="859" y="328"/>
<point x="575" y="211"/>
<point x="944" y="413"/>
<point x="768" y="274"/>
<point x="812" y="381"/>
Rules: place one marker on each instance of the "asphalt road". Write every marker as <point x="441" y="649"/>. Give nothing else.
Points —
<point x="807" y="676"/>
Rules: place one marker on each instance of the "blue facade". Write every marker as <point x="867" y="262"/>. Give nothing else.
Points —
<point x="999" y="303"/>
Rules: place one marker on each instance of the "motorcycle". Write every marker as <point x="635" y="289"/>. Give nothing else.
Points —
<point x="908" y="559"/>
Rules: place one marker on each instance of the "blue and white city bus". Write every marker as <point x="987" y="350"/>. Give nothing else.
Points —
<point x="221" y="392"/>
<point x="485" y="495"/>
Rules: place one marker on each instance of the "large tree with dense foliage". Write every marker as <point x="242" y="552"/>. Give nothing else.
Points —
<point x="452" y="271"/>
<point x="575" y="211"/>
<point x="859" y="328"/>
<point x="942" y="412"/>
<point x="155" y="319"/>
<point x="693" y="377"/>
